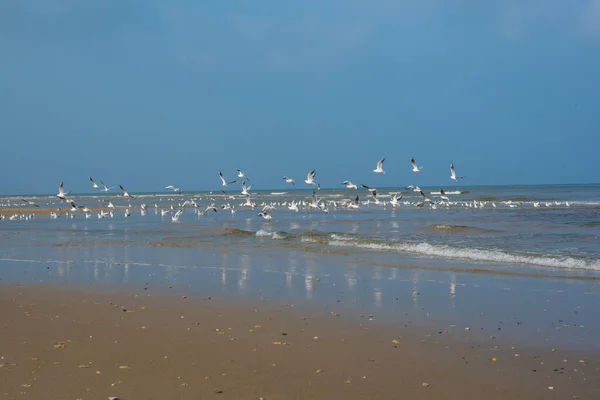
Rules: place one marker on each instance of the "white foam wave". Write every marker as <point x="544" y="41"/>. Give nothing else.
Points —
<point x="446" y="251"/>
<point x="270" y="234"/>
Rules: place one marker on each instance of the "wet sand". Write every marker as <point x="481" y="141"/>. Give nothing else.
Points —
<point x="63" y="343"/>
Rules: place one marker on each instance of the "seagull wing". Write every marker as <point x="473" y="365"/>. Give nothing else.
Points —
<point x="413" y="163"/>
<point x="380" y="163"/>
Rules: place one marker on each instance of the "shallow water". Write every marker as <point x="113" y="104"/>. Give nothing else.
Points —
<point x="534" y="273"/>
<point x="514" y="233"/>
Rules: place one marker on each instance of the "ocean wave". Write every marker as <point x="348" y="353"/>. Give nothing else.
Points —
<point x="275" y="235"/>
<point x="454" y="252"/>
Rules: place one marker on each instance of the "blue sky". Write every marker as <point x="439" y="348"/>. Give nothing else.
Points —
<point x="151" y="93"/>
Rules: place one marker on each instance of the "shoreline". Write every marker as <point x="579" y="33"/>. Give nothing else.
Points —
<point x="135" y="345"/>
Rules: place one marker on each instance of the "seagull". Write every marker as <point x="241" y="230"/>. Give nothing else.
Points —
<point x="31" y="203"/>
<point x="61" y="192"/>
<point x="395" y="200"/>
<point x="415" y="169"/>
<point x="374" y="194"/>
<point x="242" y="175"/>
<point x="175" y="218"/>
<point x="349" y="185"/>
<point x="125" y="194"/>
<point x="94" y="184"/>
<point x="370" y="189"/>
<point x="453" y="174"/>
<point x="265" y="215"/>
<point x="354" y="204"/>
<point x="427" y="199"/>
<point x="443" y="195"/>
<point x="310" y="178"/>
<point x="379" y="168"/>
<point x="104" y="188"/>
<point x="289" y="180"/>
<point x="173" y="188"/>
<point x="314" y="201"/>
<point x="293" y="206"/>
<point x="245" y="189"/>
<point x="223" y="181"/>
<point x="73" y="206"/>
<point x="110" y="205"/>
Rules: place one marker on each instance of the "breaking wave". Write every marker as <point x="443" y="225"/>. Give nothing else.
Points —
<point x="454" y="252"/>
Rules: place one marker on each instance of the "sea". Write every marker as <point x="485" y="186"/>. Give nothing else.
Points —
<point x="528" y="249"/>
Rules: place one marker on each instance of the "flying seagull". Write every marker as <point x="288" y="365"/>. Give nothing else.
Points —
<point x="453" y="174"/>
<point x="370" y="189"/>
<point x="379" y="168"/>
<point x="310" y="178"/>
<point x="125" y="194"/>
<point x="265" y="215"/>
<point x="289" y="180"/>
<point x="61" y="192"/>
<point x="173" y="188"/>
<point x="31" y="203"/>
<point x="94" y="184"/>
<point x="224" y="183"/>
<point x="242" y="175"/>
<point x="105" y="188"/>
<point x="415" y="169"/>
<point x="245" y="188"/>
<point x="349" y="185"/>
<point x="443" y="195"/>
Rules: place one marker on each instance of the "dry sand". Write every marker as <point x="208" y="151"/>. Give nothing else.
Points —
<point x="63" y="343"/>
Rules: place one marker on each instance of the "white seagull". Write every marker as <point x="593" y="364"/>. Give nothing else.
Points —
<point x="125" y="194"/>
<point x="415" y="169"/>
<point x="265" y="215"/>
<point x="310" y="178"/>
<point x="349" y="185"/>
<point x="370" y="189"/>
<point x="245" y="189"/>
<point x="94" y="184"/>
<point x="173" y="188"/>
<point x="224" y="183"/>
<point x="242" y="175"/>
<point x="31" y="203"/>
<point x="105" y="188"/>
<point x="443" y="195"/>
<point x="453" y="174"/>
<point x="61" y="192"/>
<point x="289" y="180"/>
<point x="379" y="168"/>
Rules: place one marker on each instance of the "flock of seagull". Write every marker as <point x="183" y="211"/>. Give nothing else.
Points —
<point x="314" y="203"/>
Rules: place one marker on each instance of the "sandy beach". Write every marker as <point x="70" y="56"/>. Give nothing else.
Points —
<point x="64" y="343"/>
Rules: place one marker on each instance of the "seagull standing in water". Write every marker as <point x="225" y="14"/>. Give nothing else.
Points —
<point x="125" y="194"/>
<point x="453" y="174"/>
<point x="416" y="169"/>
<point x="379" y="170"/>
<point x="94" y="184"/>
<point x="349" y="185"/>
<point x="289" y="180"/>
<point x="310" y="178"/>
<point x="224" y="183"/>
<point x="61" y="192"/>
<point x="242" y="175"/>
